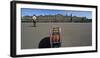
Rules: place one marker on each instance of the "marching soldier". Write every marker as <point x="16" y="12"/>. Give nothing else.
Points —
<point x="34" y="20"/>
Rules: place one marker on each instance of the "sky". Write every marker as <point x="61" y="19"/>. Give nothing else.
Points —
<point x="37" y="12"/>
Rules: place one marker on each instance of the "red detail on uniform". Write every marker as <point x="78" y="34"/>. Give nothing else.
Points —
<point x="56" y="38"/>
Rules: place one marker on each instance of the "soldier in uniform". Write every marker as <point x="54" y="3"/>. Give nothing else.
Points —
<point x="55" y="37"/>
<point x="34" y="20"/>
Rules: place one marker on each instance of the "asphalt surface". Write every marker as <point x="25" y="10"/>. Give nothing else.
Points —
<point x="72" y="34"/>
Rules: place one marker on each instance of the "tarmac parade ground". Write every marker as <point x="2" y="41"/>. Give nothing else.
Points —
<point x="72" y="34"/>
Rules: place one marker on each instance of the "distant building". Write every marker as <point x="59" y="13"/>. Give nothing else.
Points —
<point x="56" y="18"/>
<point x="26" y="18"/>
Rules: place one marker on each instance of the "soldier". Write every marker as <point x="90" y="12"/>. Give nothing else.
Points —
<point x="55" y="37"/>
<point x="34" y="20"/>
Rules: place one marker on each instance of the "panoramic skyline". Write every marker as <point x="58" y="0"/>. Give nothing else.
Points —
<point x="37" y="12"/>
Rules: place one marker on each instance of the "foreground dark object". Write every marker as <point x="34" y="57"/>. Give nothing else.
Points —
<point x="45" y="43"/>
